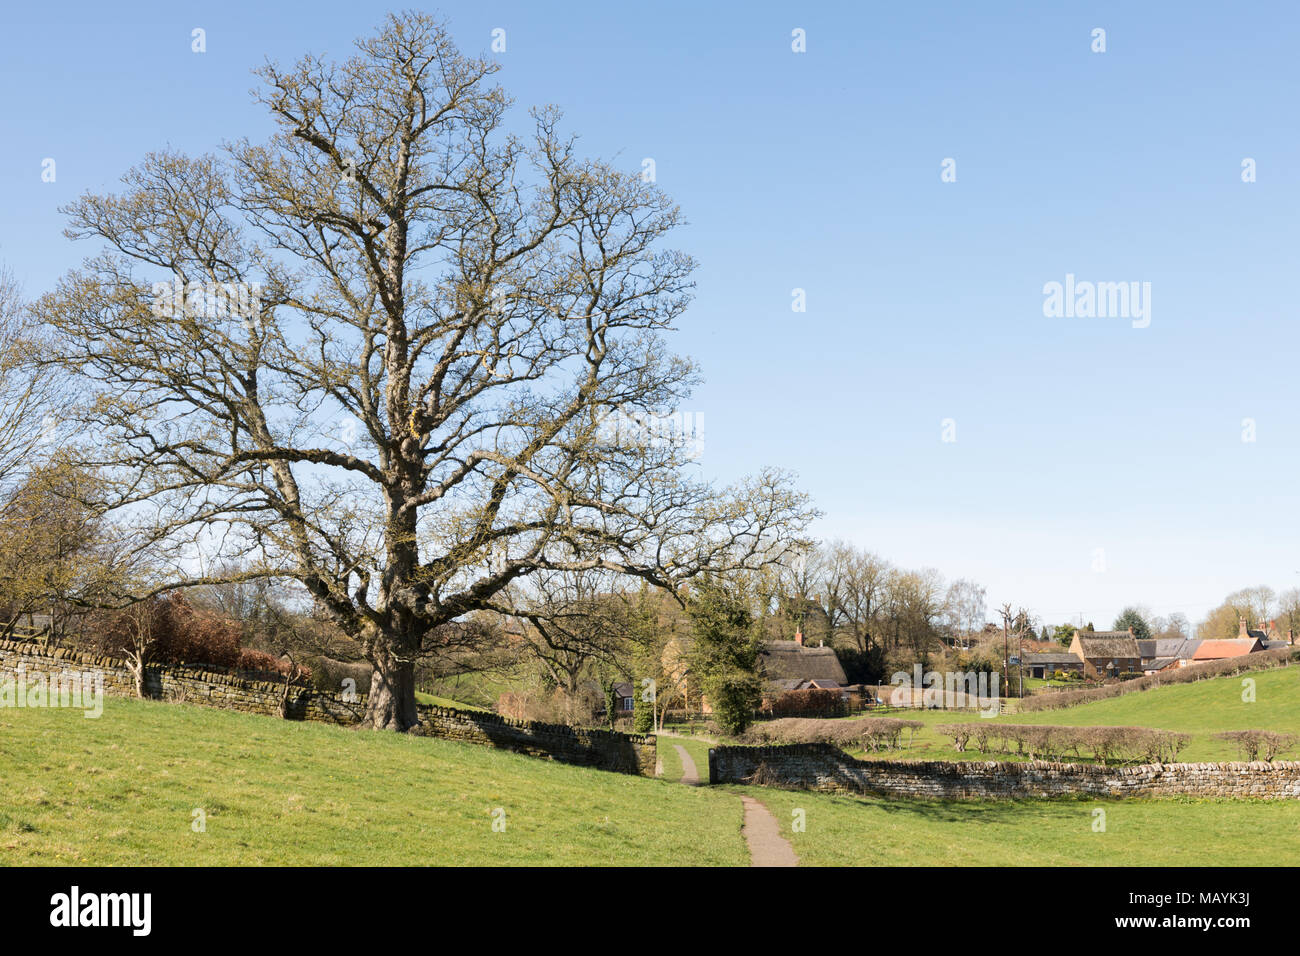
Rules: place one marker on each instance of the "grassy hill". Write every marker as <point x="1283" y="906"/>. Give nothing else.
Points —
<point x="122" y="789"/>
<point x="1202" y="709"/>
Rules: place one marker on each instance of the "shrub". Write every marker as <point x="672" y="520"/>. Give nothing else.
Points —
<point x="1055" y="742"/>
<point x="805" y="703"/>
<point x="960" y="734"/>
<point x="884" y="733"/>
<point x="260" y="662"/>
<point x="875" y="733"/>
<point x="734" y="698"/>
<point x="1250" y="743"/>
<point x="643" y="715"/>
<point x="329" y="674"/>
<point x="179" y="634"/>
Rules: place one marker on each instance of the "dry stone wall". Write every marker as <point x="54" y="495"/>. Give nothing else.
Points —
<point x="827" y="768"/>
<point x="254" y="694"/>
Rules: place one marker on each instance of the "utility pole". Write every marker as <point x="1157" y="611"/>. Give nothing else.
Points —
<point x="1006" y="650"/>
<point x="1020" y="650"/>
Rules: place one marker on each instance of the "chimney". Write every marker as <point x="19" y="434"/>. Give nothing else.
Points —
<point x="798" y="638"/>
<point x="1241" y="627"/>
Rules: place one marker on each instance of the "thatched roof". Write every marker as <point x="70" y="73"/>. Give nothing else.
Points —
<point x="1052" y="658"/>
<point x="1111" y="645"/>
<point x="786" y="660"/>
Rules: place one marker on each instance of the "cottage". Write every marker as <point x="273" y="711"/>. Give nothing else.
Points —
<point x="1107" y="653"/>
<point x="1049" y="662"/>
<point x="789" y="665"/>
<point x="1161" y="653"/>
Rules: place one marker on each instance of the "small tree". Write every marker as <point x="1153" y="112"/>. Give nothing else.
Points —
<point x="725" y="653"/>
<point x="1131" y="617"/>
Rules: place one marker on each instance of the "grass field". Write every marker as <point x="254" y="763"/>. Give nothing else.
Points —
<point x="1201" y="709"/>
<point x="122" y="790"/>
<point x="672" y="764"/>
<point x="871" y="831"/>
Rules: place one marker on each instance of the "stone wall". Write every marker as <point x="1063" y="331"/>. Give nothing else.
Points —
<point x="604" y="749"/>
<point x="254" y="694"/>
<point x="826" y="768"/>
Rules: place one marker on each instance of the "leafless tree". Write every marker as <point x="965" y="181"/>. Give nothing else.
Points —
<point x="27" y="391"/>
<point x="403" y="335"/>
<point x="573" y="622"/>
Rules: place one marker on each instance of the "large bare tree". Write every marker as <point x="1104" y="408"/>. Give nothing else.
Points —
<point x="401" y="335"/>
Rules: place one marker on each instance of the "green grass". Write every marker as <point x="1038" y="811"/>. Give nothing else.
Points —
<point x="870" y="831"/>
<point x="1202" y="709"/>
<point x="436" y="701"/>
<point x="672" y="763"/>
<point x="122" y="789"/>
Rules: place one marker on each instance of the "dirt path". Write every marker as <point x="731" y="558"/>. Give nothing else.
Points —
<point x="690" y="775"/>
<point x="767" y="847"/>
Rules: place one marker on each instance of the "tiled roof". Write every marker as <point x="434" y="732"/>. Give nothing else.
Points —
<point x="1219" y="650"/>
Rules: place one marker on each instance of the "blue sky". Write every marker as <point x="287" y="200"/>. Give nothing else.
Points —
<point x="821" y="171"/>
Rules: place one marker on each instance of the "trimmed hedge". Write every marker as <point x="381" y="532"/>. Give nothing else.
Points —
<point x="1053" y="699"/>
<point x="1054" y="742"/>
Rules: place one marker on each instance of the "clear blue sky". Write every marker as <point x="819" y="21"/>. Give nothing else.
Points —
<point x="821" y="171"/>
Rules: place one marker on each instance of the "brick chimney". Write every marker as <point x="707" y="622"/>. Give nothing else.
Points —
<point x="798" y="638"/>
<point x="1241" y="628"/>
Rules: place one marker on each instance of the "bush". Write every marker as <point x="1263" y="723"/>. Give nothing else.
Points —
<point x="1055" y="742"/>
<point x="960" y="734"/>
<point x="874" y="733"/>
<point x="178" y="633"/>
<point x="643" y="715"/>
<point x="805" y="703"/>
<point x="1251" y="743"/>
<point x="260" y="662"/>
<point x="734" y="698"/>
<point x="329" y="674"/>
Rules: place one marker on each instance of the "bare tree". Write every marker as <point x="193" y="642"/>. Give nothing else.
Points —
<point x="26" y="392"/>
<point x="855" y="593"/>
<point x="573" y="623"/>
<point x="379" y="354"/>
<point x="141" y="638"/>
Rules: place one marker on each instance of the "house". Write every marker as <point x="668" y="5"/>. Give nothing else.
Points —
<point x="1164" y="652"/>
<point x="1269" y="638"/>
<point x="789" y="665"/>
<point x="623" y="699"/>
<point x="1223" y="650"/>
<point x="1047" y="663"/>
<point x="1107" y="653"/>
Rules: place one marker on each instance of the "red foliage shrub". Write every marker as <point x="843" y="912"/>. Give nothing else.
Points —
<point x="801" y="703"/>
<point x="175" y="632"/>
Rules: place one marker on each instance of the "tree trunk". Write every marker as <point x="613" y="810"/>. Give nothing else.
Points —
<point x="136" y="665"/>
<point x="391" y="705"/>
